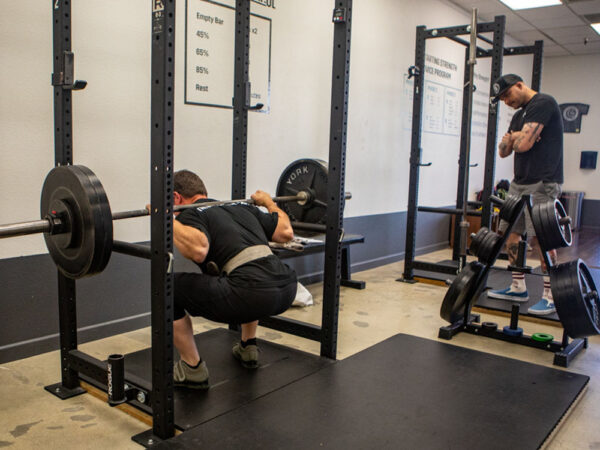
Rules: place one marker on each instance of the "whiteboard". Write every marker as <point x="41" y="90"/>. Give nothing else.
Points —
<point x="210" y="52"/>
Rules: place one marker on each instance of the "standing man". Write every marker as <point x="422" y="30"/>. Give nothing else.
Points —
<point x="535" y="136"/>
<point x="242" y="281"/>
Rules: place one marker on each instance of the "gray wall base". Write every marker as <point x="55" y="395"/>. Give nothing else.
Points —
<point x="590" y="213"/>
<point x="118" y="299"/>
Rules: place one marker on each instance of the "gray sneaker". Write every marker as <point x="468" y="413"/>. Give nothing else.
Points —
<point x="247" y="355"/>
<point x="185" y="376"/>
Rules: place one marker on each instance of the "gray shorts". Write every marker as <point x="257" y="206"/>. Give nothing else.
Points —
<point x="540" y="192"/>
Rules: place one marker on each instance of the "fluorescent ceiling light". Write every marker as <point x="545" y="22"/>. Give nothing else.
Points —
<point x="527" y="4"/>
<point x="596" y="27"/>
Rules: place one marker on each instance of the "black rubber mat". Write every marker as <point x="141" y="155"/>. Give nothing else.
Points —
<point x="403" y="393"/>
<point x="231" y="385"/>
<point x="501" y="278"/>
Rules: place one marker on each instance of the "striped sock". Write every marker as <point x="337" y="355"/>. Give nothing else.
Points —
<point x="547" y="290"/>
<point x="518" y="282"/>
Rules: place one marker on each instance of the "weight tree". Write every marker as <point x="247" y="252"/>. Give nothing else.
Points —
<point x="496" y="53"/>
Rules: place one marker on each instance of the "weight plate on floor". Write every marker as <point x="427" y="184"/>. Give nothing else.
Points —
<point x="76" y="196"/>
<point x="310" y="175"/>
<point x="542" y="337"/>
<point x="576" y="298"/>
<point x="462" y="292"/>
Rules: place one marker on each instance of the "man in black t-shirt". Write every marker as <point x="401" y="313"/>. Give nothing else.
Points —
<point x="242" y="281"/>
<point x="535" y="136"/>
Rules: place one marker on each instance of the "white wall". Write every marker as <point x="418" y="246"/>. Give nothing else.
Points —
<point x="111" y="41"/>
<point x="574" y="79"/>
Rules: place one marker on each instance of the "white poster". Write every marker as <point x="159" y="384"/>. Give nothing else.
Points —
<point x="210" y="52"/>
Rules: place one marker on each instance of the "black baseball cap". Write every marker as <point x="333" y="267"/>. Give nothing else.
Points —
<point x="503" y="83"/>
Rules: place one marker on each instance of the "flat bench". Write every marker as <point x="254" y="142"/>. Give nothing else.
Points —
<point x="317" y="247"/>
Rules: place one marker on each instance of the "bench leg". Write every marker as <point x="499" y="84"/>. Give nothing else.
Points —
<point x="346" y="274"/>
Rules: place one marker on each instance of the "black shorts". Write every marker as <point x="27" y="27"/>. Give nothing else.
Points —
<point x="218" y="299"/>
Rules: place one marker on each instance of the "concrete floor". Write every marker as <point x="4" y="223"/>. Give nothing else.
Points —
<point x="31" y="418"/>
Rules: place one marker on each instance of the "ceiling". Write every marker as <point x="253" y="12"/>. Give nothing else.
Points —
<point x="564" y="28"/>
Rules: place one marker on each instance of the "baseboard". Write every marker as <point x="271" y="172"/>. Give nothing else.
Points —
<point x="358" y="266"/>
<point x="118" y="300"/>
<point x="43" y="344"/>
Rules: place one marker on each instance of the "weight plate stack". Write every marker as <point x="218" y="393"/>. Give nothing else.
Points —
<point x="552" y="227"/>
<point x="486" y="245"/>
<point x="511" y="208"/>
<point x="75" y="195"/>
<point x="576" y="298"/>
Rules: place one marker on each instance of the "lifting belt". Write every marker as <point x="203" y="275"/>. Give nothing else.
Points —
<point x="245" y="256"/>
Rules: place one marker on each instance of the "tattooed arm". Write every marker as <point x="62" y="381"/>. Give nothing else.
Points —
<point x="505" y="147"/>
<point x="523" y="140"/>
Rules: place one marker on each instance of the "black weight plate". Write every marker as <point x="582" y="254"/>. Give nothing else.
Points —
<point x="564" y="237"/>
<point x="497" y="248"/>
<point x="461" y="293"/>
<point x="482" y="254"/>
<point x="490" y="248"/>
<point x="511" y="208"/>
<point x="576" y="299"/>
<point x="305" y="175"/>
<point x="477" y="240"/>
<point x="554" y="237"/>
<point x="489" y="326"/>
<point x="87" y="250"/>
<point x="538" y="225"/>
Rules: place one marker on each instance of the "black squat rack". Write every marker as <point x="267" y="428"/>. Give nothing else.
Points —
<point x="496" y="52"/>
<point x="156" y="398"/>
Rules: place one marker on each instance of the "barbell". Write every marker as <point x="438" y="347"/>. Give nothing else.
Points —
<point x="77" y="221"/>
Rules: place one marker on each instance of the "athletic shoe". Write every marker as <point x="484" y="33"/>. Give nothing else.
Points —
<point x="542" y="308"/>
<point x="247" y="355"/>
<point x="508" y="294"/>
<point x="186" y="376"/>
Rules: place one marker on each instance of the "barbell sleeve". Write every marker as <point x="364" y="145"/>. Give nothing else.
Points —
<point x="496" y="200"/>
<point x="127" y="248"/>
<point x="25" y="228"/>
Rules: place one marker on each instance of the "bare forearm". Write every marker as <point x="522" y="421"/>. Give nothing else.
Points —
<point x="519" y="142"/>
<point x="191" y="242"/>
<point x="284" y="231"/>
<point x="525" y="139"/>
<point x="504" y="149"/>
